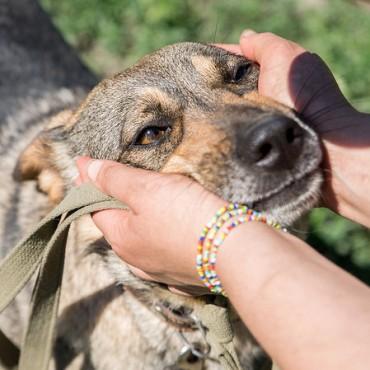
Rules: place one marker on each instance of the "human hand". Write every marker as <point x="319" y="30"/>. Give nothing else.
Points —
<point x="295" y="77"/>
<point x="159" y="235"/>
<point x="302" y="81"/>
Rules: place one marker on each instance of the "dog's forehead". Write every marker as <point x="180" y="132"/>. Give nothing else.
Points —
<point x="183" y="52"/>
<point x="182" y="64"/>
<point x="185" y="75"/>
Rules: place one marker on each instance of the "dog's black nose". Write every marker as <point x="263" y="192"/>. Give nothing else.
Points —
<point x="273" y="144"/>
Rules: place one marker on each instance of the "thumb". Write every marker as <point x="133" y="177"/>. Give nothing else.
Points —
<point x="249" y="45"/>
<point x="122" y="182"/>
<point x="256" y="46"/>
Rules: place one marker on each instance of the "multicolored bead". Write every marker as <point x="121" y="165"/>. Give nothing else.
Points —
<point x="214" y="234"/>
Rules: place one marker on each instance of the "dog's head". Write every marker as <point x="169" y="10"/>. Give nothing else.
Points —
<point x="191" y="109"/>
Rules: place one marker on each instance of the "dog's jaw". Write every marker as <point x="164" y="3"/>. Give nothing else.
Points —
<point x="287" y="211"/>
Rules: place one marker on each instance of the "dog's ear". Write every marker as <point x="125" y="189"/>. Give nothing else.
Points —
<point x="38" y="159"/>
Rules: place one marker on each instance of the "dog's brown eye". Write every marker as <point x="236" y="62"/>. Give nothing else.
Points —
<point x="152" y="135"/>
<point x="240" y="72"/>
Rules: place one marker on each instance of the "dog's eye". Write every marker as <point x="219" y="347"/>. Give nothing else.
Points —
<point x="240" y="72"/>
<point x="152" y="135"/>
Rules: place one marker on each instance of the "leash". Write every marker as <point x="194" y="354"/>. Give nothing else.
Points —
<point x="44" y="249"/>
<point x="216" y="318"/>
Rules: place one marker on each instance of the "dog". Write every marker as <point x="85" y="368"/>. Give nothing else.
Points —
<point x="190" y="109"/>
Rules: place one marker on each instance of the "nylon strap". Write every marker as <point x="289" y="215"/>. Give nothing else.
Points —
<point x="220" y="334"/>
<point x="44" y="249"/>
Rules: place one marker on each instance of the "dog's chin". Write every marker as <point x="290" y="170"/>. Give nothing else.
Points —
<point x="292" y="202"/>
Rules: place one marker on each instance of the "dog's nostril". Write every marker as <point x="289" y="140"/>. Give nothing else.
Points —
<point x="274" y="144"/>
<point x="264" y="150"/>
<point x="290" y="135"/>
<point x="294" y="134"/>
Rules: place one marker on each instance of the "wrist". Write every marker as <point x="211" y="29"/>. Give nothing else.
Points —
<point x="224" y="221"/>
<point x="239" y="256"/>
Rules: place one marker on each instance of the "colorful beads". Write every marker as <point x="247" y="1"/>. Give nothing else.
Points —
<point x="213" y="235"/>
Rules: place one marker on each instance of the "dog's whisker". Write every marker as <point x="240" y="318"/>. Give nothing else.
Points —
<point x="302" y="232"/>
<point x="216" y="29"/>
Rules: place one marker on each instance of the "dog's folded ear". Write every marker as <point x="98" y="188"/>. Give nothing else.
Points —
<point x="38" y="159"/>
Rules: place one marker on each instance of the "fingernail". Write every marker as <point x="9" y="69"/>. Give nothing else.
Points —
<point x="93" y="169"/>
<point x="247" y="33"/>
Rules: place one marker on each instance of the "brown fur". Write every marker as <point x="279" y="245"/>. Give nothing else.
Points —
<point x="190" y="90"/>
<point x="189" y="155"/>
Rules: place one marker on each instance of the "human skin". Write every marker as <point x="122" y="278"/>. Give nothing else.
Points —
<point x="305" y="311"/>
<point x="302" y="81"/>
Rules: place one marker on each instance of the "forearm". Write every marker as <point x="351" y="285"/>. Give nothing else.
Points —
<point x="306" y="312"/>
<point x="347" y="167"/>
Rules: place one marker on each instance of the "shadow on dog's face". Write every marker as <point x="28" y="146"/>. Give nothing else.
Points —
<point x="190" y="109"/>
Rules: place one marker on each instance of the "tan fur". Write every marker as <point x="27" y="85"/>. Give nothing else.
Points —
<point x="51" y="183"/>
<point x="34" y="159"/>
<point x="153" y="99"/>
<point x="264" y="102"/>
<point x="63" y="118"/>
<point x="207" y="69"/>
<point x="189" y="155"/>
<point x="37" y="160"/>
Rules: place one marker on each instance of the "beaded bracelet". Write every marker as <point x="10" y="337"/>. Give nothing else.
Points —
<point x="213" y="235"/>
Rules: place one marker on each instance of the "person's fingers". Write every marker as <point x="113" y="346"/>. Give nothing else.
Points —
<point x="82" y="163"/>
<point x="183" y="290"/>
<point x="255" y="45"/>
<point x="125" y="183"/>
<point x="140" y="273"/>
<point x="188" y="290"/>
<point x="232" y="48"/>
<point x="178" y="291"/>
<point x="112" y="223"/>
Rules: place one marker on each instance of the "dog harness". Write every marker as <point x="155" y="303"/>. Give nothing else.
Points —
<point x="44" y="249"/>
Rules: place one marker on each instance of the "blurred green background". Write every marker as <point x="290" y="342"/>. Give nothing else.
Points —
<point x="112" y="34"/>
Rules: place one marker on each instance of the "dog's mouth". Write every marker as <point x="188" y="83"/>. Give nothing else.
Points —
<point x="289" y="203"/>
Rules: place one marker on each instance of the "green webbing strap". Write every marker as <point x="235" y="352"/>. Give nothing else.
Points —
<point x="220" y="334"/>
<point x="44" y="248"/>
